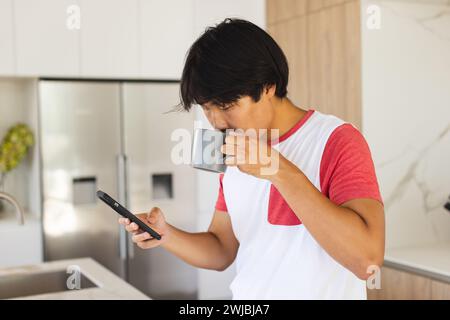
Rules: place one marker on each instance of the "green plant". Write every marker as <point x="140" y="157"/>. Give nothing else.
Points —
<point x="14" y="147"/>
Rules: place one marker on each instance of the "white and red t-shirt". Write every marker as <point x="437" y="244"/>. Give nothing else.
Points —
<point x="277" y="257"/>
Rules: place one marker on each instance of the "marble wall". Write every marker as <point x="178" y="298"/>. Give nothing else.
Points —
<point x="406" y="115"/>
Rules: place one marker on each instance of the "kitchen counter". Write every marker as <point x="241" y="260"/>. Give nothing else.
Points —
<point x="432" y="260"/>
<point x="106" y="285"/>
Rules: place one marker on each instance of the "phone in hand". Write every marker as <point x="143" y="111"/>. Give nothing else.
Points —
<point x="126" y="214"/>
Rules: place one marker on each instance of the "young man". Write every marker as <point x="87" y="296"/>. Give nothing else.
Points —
<point x="313" y="228"/>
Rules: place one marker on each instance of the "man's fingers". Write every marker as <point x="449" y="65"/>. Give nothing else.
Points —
<point x="231" y="139"/>
<point x="228" y="149"/>
<point x="148" y="244"/>
<point x="132" y="227"/>
<point x="124" y="221"/>
<point x="141" y="237"/>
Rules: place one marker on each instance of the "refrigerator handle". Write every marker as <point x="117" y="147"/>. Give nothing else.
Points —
<point x="130" y="247"/>
<point x="129" y="242"/>
<point x="122" y="197"/>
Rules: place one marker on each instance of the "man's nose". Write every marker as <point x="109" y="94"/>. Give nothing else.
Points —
<point x="217" y="120"/>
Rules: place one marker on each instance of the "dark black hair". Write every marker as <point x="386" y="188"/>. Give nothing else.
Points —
<point x="233" y="59"/>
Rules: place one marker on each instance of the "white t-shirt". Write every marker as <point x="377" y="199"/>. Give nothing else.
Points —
<point x="278" y="258"/>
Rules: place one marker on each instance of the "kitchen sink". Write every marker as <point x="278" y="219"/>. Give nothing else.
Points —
<point x="22" y="285"/>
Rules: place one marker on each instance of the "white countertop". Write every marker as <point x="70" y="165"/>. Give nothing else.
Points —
<point x="109" y="286"/>
<point x="431" y="260"/>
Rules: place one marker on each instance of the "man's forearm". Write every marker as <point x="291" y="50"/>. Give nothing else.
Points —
<point x="202" y="249"/>
<point x="339" y="230"/>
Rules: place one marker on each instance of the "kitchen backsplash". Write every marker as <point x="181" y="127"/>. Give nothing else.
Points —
<point x="406" y="120"/>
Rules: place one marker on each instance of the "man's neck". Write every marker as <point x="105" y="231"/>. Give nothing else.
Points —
<point x="287" y="115"/>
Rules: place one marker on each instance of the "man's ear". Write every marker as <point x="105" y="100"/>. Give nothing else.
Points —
<point x="270" y="90"/>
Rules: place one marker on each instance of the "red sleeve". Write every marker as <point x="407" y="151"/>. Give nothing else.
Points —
<point x="347" y="171"/>
<point x="220" y="203"/>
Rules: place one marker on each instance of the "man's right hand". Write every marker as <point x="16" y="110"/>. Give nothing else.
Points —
<point x="155" y="220"/>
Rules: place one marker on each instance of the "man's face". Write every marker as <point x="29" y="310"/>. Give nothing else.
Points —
<point x="243" y="114"/>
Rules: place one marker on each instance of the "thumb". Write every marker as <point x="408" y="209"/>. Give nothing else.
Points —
<point x="154" y="216"/>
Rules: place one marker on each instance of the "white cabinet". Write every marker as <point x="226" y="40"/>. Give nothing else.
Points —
<point x="116" y="39"/>
<point x="109" y="38"/>
<point x="6" y="38"/>
<point x="167" y="31"/>
<point x="169" y="28"/>
<point x="210" y="12"/>
<point x="21" y="244"/>
<point x="44" y="44"/>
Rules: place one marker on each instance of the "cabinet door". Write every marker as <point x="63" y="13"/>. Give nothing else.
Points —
<point x="45" y="45"/>
<point x="334" y="61"/>
<point x="210" y="12"/>
<point x="292" y="36"/>
<point x="6" y="38"/>
<point x="109" y="38"/>
<point x="166" y="35"/>
<point x="440" y="290"/>
<point x="400" y="285"/>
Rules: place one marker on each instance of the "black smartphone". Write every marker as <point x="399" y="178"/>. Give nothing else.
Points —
<point x="126" y="214"/>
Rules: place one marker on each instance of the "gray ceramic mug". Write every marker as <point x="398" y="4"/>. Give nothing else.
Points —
<point x="206" y="154"/>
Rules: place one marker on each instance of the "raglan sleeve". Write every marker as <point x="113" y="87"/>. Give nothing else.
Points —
<point x="347" y="170"/>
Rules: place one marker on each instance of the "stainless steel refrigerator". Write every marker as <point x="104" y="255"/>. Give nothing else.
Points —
<point x="115" y="136"/>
